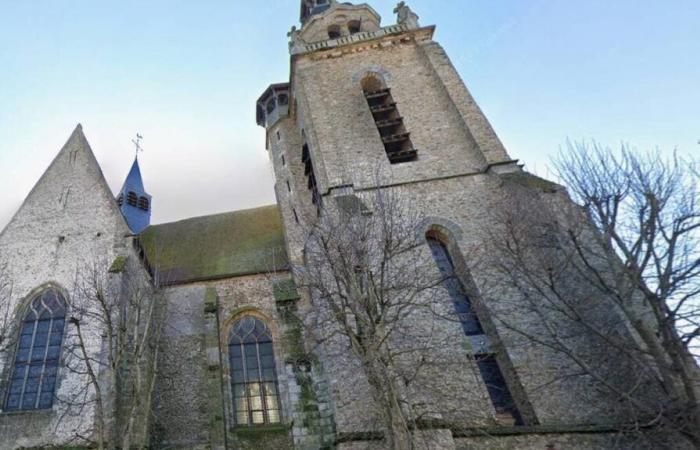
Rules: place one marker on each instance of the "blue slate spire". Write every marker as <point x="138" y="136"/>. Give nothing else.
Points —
<point x="133" y="200"/>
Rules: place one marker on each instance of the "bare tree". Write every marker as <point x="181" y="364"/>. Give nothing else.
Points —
<point x="373" y="286"/>
<point x="113" y="344"/>
<point x="614" y="283"/>
<point x="5" y="298"/>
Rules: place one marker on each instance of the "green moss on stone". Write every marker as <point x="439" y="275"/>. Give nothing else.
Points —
<point x="211" y="300"/>
<point x="118" y="265"/>
<point x="221" y="245"/>
<point x="285" y="290"/>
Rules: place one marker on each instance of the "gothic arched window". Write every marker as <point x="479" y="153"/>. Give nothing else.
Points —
<point x="33" y="379"/>
<point x="253" y="374"/>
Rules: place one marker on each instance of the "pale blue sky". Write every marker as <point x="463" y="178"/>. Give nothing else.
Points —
<point x="186" y="75"/>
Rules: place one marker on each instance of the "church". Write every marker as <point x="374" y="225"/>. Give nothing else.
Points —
<point x="208" y="352"/>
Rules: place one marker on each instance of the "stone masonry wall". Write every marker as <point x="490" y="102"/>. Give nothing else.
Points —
<point x="194" y="407"/>
<point x="69" y="220"/>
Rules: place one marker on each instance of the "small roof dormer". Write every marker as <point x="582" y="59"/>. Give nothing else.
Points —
<point x="134" y="202"/>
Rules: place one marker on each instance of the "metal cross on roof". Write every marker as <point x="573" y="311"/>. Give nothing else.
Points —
<point x="137" y="144"/>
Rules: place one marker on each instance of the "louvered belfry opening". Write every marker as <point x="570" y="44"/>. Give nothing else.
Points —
<point x="311" y="177"/>
<point x="396" y="140"/>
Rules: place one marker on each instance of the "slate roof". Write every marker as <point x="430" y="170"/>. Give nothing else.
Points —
<point x="217" y="246"/>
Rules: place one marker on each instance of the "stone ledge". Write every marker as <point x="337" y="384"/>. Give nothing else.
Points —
<point x="459" y="432"/>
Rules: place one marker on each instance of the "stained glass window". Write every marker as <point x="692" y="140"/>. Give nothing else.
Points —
<point x="33" y="379"/>
<point x="253" y="374"/>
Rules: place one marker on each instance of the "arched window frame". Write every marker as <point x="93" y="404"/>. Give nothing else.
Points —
<point x="32" y="373"/>
<point x="256" y="400"/>
<point x="387" y="118"/>
<point x="334" y="31"/>
<point x="354" y="26"/>
<point x="484" y="354"/>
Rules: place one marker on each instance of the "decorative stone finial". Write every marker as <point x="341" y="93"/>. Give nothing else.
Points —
<point x="406" y="15"/>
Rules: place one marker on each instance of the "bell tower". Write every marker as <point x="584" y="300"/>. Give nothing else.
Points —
<point x="371" y="106"/>
<point x="364" y="95"/>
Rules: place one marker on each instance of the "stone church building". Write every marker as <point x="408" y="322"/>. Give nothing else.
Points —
<point x="231" y="371"/>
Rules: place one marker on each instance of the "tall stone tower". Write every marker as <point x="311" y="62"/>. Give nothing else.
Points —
<point x="362" y="96"/>
<point x="373" y="107"/>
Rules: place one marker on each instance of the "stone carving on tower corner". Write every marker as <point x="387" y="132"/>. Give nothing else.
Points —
<point x="295" y="40"/>
<point x="406" y="16"/>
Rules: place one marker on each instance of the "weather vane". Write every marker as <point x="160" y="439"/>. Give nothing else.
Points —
<point x="137" y="144"/>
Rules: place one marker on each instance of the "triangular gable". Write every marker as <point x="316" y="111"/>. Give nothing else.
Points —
<point x="73" y="188"/>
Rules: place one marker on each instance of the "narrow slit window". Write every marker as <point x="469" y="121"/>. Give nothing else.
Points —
<point x="491" y="373"/>
<point x="33" y="380"/>
<point x="311" y="178"/>
<point x="392" y="131"/>
<point x="253" y="373"/>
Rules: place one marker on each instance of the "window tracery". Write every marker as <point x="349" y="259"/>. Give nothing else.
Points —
<point x="38" y="353"/>
<point x="253" y="373"/>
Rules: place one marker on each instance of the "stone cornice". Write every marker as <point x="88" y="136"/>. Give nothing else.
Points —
<point x="333" y="48"/>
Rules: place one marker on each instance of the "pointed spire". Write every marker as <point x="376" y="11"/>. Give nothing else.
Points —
<point x="133" y="200"/>
<point x="134" y="181"/>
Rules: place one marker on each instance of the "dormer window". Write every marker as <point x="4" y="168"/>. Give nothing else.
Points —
<point x="132" y="199"/>
<point x="334" y="32"/>
<point x="144" y="204"/>
<point x="120" y="200"/>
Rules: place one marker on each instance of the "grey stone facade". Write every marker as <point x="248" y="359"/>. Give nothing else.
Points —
<point x="215" y="270"/>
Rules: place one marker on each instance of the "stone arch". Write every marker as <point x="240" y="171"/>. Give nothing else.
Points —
<point x="376" y="71"/>
<point x="445" y="228"/>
